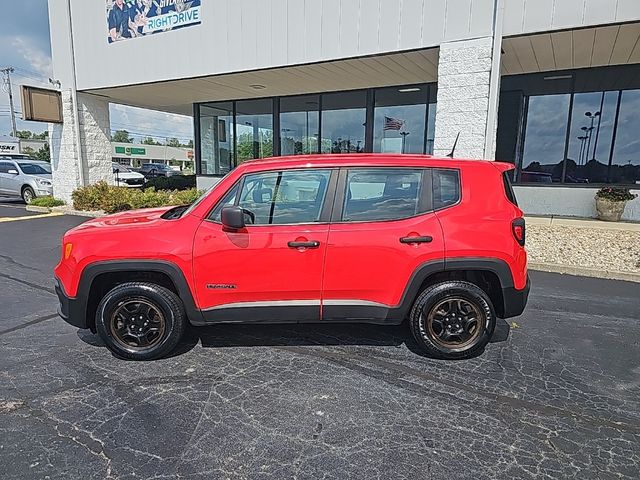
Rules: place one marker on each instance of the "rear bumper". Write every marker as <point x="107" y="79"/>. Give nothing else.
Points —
<point x="515" y="300"/>
<point x="71" y="310"/>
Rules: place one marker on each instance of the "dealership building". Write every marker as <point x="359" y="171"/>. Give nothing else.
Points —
<point x="552" y="86"/>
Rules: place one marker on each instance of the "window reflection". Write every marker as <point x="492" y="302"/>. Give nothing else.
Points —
<point x="299" y="123"/>
<point x="216" y="138"/>
<point x="592" y="122"/>
<point x="254" y="128"/>
<point x="399" y="119"/>
<point x="625" y="163"/>
<point x="546" y="130"/>
<point x="343" y="122"/>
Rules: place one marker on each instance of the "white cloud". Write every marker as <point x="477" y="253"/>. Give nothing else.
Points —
<point x="34" y="56"/>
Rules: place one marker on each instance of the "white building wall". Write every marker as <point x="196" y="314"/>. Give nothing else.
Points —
<point x="568" y="202"/>
<point x="95" y="135"/>
<point x="65" y="168"/>
<point x="95" y="141"/>
<point x="251" y="34"/>
<point x="528" y="16"/>
<point x="464" y="76"/>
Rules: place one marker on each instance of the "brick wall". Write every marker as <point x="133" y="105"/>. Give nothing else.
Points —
<point x="95" y="135"/>
<point x="464" y="72"/>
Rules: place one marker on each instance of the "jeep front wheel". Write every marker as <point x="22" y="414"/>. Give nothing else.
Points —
<point x="140" y="321"/>
<point x="453" y="319"/>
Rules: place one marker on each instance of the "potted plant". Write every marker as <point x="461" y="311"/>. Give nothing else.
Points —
<point x="610" y="202"/>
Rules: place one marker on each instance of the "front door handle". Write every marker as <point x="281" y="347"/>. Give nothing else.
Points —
<point x="425" y="239"/>
<point x="309" y="244"/>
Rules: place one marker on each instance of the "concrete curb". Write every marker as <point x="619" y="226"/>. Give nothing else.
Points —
<point x="79" y="213"/>
<point x="586" y="272"/>
<point x="33" y="208"/>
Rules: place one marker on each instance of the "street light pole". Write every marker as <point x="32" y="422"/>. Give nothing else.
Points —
<point x="7" y="78"/>
<point x="592" y="117"/>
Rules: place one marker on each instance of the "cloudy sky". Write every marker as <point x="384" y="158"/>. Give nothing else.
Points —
<point x="24" y="45"/>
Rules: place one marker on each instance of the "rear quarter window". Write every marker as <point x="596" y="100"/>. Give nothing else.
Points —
<point x="508" y="188"/>
<point x="446" y="188"/>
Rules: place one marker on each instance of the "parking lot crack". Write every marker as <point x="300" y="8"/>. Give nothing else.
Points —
<point x="401" y="372"/>
<point x="29" y="284"/>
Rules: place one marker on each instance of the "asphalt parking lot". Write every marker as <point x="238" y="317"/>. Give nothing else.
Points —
<point x="556" y="394"/>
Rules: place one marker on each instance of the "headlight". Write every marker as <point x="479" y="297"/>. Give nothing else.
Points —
<point x="44" y="183"/>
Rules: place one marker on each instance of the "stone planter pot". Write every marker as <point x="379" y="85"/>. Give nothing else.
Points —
<point x="608" y="210"/>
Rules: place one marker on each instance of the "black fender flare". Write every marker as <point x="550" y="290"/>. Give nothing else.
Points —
<point x="423" y="272"/>
<point x="93" y="270"/>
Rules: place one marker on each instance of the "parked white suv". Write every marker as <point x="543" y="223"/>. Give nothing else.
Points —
<point x="126" y="177"/>
<point x="25" y="178"/>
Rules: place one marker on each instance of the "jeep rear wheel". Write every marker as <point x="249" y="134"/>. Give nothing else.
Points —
<point x="453" y="319"/>
<point x="140" y="321"/>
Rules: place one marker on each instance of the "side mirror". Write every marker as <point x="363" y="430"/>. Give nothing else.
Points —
<point x="13" y="171"/>
<point x="233" y="217"/>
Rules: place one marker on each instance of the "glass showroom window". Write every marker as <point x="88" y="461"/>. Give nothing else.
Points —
<point x="592" y="120"/>
<point x="625" y="161"/>
<point x="400" y="118"/>
<point x="216" y="138"/>
<point x="545" y="139"/>
<point x="299" y="125"/>
<point x="254" y="128"/>
<point x="343" y="122"/>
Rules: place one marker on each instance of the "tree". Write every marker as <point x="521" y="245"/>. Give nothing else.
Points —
<point x="24" y="134"/>
<point x="173" y="142"/>
<point x="41" y="136"/>
<point x="44" y="154"/>
<point x="121" y="136"/>
<point x="29" y="151"/>
<point x="150" y="141"/>
<point x="189" y="144"/>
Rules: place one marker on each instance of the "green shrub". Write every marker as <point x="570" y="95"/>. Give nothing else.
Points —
<point x="615" y="194"/>
<point x="111" y="199"/>
<point x="47" y="201"/>
<point x="177" y="182"/>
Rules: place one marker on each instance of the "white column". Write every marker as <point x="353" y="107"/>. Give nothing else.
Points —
<point x="71" y="171"/>
<point x="464" y="92"/>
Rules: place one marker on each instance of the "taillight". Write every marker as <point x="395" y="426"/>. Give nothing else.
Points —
<point x="519" y="230"/>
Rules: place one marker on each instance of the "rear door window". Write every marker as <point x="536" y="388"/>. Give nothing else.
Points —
<point x="378" y="194"/>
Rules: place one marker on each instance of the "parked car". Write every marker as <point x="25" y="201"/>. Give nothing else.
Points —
<point x="348" y="238"/>
<point x="152" y="170"/>
<point x="25" y="178"/>
<point x="126" y="177"/>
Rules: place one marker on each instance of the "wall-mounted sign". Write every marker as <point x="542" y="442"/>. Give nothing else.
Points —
<point x="131" y="150"/>
<point x="41" y="104"/>
<point x="9" y="147"/>
<point x="137" y="18"/>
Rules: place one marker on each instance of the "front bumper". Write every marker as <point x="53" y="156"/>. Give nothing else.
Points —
<point x="71" y="310"/>
<point x="515" y="300"/>
<point x="42" y="191"/>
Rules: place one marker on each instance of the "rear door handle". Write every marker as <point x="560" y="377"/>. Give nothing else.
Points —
<point x="309" y="244"/>
<point x="425" y="239"/>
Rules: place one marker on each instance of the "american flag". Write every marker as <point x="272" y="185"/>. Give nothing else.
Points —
<point x="391" y="123"/>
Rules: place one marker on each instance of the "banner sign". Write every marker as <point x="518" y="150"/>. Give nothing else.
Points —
<point x="138" y="18"/>
<point x="131" y="150"/>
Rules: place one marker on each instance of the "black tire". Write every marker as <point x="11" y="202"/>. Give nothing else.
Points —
<point x="28" y="194"/>
<point x="432" y="321"/>
<point x="117" y="320"/>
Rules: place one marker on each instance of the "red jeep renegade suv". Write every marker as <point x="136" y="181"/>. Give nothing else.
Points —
<point x="349" y="238"/>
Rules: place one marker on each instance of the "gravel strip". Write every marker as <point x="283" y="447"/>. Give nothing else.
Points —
<point x="614" y="250"/>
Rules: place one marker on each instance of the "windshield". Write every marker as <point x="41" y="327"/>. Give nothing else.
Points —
<point x="33" y="169"/>
<point x="120" y="168"/>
